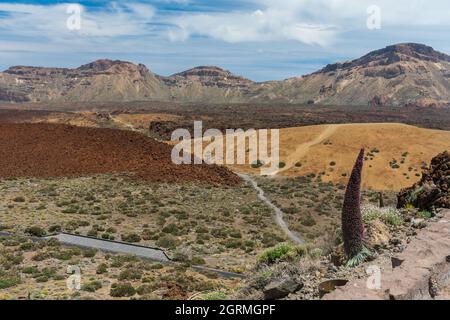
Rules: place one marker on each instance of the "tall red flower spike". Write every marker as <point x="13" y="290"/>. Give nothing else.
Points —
<point x="352" y="224"/>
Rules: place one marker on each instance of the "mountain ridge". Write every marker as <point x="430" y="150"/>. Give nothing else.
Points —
<point x="400" y="74"/>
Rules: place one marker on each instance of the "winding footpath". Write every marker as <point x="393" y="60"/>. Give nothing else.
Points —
<point x="279" y="215"/>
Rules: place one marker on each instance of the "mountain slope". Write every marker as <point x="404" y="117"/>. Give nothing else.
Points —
<point x="102" y="80"/>
<point x="208" y="84"/>
<point x="397" y="75"/>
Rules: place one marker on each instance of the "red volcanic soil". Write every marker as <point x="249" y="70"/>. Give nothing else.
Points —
<point x="54" y="150"/>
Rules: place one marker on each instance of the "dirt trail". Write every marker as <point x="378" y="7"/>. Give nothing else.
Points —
<point x="303" y="149"/>
<point x="122" y="123"/>
<point x="278" y="213"/>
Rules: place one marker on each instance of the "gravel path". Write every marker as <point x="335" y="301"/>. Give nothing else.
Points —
<point x="278" y="213"/>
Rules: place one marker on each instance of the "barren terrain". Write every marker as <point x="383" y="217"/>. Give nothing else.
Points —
<point x="53" y="150"/>
<point x="396" y="153"/>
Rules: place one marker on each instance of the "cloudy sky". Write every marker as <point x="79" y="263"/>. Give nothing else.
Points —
<point x="260" y="39"/>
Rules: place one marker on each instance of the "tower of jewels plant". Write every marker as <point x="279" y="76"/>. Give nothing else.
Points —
<point x="352" y="222"/>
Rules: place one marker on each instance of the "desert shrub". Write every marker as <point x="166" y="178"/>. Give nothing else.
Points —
<point x="167" y="242"/>
<point x="27" y="246"/>
<point x="30" y="270"/>
<point x="119" y="260"/>
<point x="257" y="164"/>
<point x="425" y="214"/>
<point x="8" y="279"/>
<point x="54" y="229"/>
<point x="215" y="296"/>
<point x="111" y="230"/>
<point x="388" y="215"/>
<point x="282" y="251"/>
<point x="131" y="237"/>
<point x="19" y="199"/>
<point x="92" y="233"/>
<point x="270" y="240"/>
<point x="65" y="255"/>
<point x="131" y="274"/>
<point x="198" y="260"/>
<point x="145" y="289"/>
<point x="89" y="253"/>
<point x="91" y="286"/>
<point x="171" y="228"/>
<point x="35" y="231"/>
<point x="235" y="234"/>
<point x="122" y="290"/>
<point x="71" y="210"/>
<point x="102" y="268"/>
<point x="308" y="221"/>
<point x="315" y="253"/>
<point x="41" y="256"/>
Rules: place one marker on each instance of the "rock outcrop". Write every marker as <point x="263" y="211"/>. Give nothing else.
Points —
<point x="433" y="190"/>
<point x="420" y="272"/>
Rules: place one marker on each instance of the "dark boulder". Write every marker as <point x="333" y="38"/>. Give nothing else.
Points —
<point x="433" y="190"/>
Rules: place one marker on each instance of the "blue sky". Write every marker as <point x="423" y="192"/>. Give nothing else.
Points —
<point x="259" y="39"/>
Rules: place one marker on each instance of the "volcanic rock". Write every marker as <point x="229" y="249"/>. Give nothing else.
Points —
<point x="433" y="190"/>
<point x="54" y="150"/>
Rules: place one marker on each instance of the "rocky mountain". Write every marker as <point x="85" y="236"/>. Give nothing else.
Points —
<point x="209" y="84"/>
<point x="398" y="75"/>
<point x="102" y="80"/>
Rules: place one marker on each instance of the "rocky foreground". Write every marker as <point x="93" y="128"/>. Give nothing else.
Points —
<point x="433" y="190"/>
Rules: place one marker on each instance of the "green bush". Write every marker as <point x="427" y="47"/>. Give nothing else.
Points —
<point x="132" y="238"/>
<point x="213" y="296"/>
<point x="89" y="253"/>
<point x="257" y="164"/>
<point x="388" y="215"/>
<point x="54" y="229"/>
<point x="8" y="279"/>
<point x="425" y="214"/>
<point x="91" y="286"/>
<point x="198" y="261"/>
<point x="122" y="290"/>
<point x="167" y="242"/>
<point x="36" y="231"/>
<point x="280" y="252"/>
<point x="102" y="268"/>
<point x="131" y="274"/>
<point x="19" y="199"/>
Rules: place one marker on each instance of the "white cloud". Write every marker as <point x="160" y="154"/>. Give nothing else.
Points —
<point x="260" y="26"/>
<point x="307" y="21"/>
<point x="50" y="20"/>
